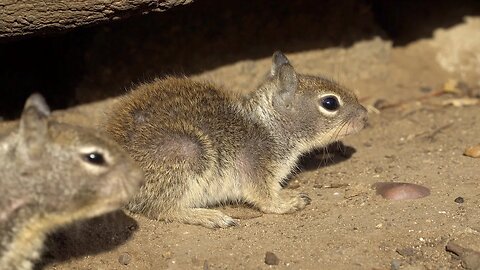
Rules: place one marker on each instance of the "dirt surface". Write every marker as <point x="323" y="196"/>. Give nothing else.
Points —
<point x="413" y="136"/>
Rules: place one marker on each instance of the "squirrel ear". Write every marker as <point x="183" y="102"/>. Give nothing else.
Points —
<point x="287" y="81"/>
<point x="34" y="126"/>
<point x="285" y="77"/>
<point x="37" y="101"/>
<point x="278" y="60"/>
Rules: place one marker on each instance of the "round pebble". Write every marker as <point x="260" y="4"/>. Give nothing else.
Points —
<point x="473" y="151"/>
<point x="124" y="258"/>
<point x="400" y="191"/>
<point x="459" y="200"/>
<point x="271" y="258"/>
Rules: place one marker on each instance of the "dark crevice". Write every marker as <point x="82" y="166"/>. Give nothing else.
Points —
<point x="409" y="20"/>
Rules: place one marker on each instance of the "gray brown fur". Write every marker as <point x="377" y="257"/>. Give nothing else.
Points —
<point x="201" y="146"/>
<point x="47" y="180"/>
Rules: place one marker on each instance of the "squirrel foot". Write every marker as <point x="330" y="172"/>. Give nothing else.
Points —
<point x="209" y="218"/>
<point x="284" y="202"/>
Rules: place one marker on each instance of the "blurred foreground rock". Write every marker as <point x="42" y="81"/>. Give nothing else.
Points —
<point x="22" y="18"/>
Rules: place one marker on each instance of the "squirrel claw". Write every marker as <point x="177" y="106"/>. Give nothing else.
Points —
<point x="305" y="198"/>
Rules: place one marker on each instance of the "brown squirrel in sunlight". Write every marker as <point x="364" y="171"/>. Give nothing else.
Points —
<point x="52" y="174"/>
<point x="201" y="146"/>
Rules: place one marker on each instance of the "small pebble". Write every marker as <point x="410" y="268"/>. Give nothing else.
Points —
<point x="167" y="255"/>
<point x="470" y="257"/>
<point x="293" y="184"/>
<point x="124" y="258"/>
<point x="459" y="200"/>
<point x="397" y="191"/>
<point x="406" y="252"/>
<point x="395" y="265"/>
<point x="271" y="258"/>
<point x="473" y="151"/>
<point x="425" y="89"/>
<point x="451" y="86"/>
<point x="380" y="104"/>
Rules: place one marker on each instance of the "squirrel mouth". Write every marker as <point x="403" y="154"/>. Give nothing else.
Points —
<point x="354" y="125"/>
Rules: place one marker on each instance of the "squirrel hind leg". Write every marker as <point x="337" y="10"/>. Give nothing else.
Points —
<point x="279" y="201"/>
<point x="209" y="218"/>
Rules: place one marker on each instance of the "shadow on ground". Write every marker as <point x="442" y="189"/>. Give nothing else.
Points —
<point x="88" y="238"/>
<point x="332" y="154"/>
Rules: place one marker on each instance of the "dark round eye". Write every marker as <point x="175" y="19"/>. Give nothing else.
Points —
<point x="94" y="158"/>
<point x="330" y="103"/>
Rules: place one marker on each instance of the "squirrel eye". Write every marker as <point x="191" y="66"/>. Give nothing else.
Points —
<point x="94" y="158"/>
<point x="330" y="103"/>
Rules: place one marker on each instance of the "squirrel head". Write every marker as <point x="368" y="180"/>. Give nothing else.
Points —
<point x="314" y="111"/>
<point x="66" y="172"/>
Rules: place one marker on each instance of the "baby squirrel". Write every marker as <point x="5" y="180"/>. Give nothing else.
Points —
<point x="52" y="174"/>
<point x="200" y="146"/>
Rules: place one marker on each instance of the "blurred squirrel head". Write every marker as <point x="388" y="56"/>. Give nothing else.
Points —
<point x="65" y="171"/>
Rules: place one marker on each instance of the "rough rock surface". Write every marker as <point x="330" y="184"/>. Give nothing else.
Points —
<point x="24" y="17"/>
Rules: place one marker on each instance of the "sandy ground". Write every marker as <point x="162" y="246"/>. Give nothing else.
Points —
<point x="412" y="137"/>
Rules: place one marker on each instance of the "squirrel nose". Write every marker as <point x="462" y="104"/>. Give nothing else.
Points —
<point x="363" y="114"/>
<point x="364" y="118"/>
